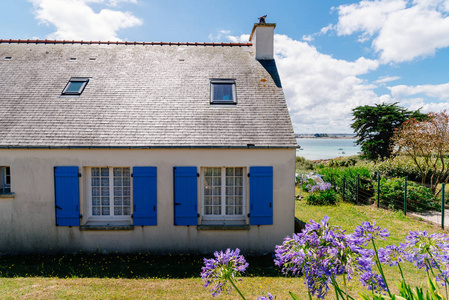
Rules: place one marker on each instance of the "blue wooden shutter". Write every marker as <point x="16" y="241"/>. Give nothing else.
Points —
<point x="67" y="196"/>
<point x="261" y="195"/>
<point x="145" y="196"/>
<point x="185" y="196"/>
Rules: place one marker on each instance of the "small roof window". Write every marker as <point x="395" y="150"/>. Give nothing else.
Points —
<point x="75" y="86"/>
<point x="222" y="91"/>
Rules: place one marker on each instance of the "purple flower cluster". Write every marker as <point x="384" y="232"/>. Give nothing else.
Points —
<point x="425" y="251"/>
<point x="267" y="297"/>
<point x="321" y="252"/>
<point x="321" y="187"/>
<point x="226" y="266"/>
<point x="368" y="232"/>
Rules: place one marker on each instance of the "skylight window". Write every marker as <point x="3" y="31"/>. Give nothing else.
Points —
<point x="75" y="86"/>
<point x="222" y="91"/>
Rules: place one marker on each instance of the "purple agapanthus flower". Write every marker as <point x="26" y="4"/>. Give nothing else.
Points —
<point x="321" y="252"/>
<point x="392" y="255"/>
<point x="267" y="297"/>
<point x="226" y="266"/>
<point x="321" y="187"/>
<point x="373" y="282"/>
<point x="368" y="232"/>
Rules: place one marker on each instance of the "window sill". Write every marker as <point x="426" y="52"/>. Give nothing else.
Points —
<point x="223" y="227"/>
<point x="106" y="226"/>
<point x="9" y="195"/>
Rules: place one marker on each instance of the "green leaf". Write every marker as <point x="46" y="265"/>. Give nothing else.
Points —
<point x="294" y="297"/>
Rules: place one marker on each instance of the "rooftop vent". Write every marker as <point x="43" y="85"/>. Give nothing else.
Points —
<point x="7" y="58"/>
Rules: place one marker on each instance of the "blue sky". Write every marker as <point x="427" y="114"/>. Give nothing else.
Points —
<point x="332" y="55"/>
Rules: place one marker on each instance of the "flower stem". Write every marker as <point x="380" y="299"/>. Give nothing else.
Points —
<point x="400" y="270"/>
<point x="346" y="287"/>
<point x="241" y="295"/>
<point x="379" y="266"/>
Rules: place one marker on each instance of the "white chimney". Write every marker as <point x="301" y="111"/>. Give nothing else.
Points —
<point x="262" y="38"/>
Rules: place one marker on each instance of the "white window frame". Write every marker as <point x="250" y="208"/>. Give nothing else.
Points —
<point x="92" y="217"/>
<point x="223" y="218"/>
<point x="223" y="81"/>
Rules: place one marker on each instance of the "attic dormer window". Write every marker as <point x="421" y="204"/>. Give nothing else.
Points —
<point x="222" y="91"/>
<point x="75" y="86"/>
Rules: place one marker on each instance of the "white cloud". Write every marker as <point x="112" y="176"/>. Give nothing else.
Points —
<point x="321" y="91"/>
<point x="75" y="20"/>
<point x="384" y="79"/>
<point x="401" y="30"/>
<point x="440" y="91"/>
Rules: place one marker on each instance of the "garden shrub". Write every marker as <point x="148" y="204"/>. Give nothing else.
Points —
<point x="419" y="198"/>
<point x="328" y="197"/>
<point x="303" y="164"/>
<point x="399" y="166"/>
<point x="322" y="194"/>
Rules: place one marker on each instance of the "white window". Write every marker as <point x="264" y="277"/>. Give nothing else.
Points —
<point x="109" y="193"/>
<point x="5" y="180"/>
<point x="223" y="193"/>
<point x="222" y="91"/>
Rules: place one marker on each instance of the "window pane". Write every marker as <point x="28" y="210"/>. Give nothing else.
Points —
<point x="105" y="181"/>
<point x="217" y="191"/>
<point x="229" y="171"/>
<point x="126" y="181"/>
<point x="207" y="191"/>
<point x="229" y="181"/>
<point x="126" y="172"/>
<point x="126" y="191"/>
<point x="208" y="210"/>
<point x="230" y="191"/>
<point x="229" y="200"/>
<point x="104" y="201"/>
<point x="229" y="210"/>
<point x="238" y="181"/>
<point x="223" y="91"/>
<point x="95" y="181"/>
<point x="208" y="171"/>
<point x="238" y="171"/>
<point x="126" y="211"/>
<point x="118" y="201"/>
<point x="238" y="200"/>
<point x="95" y="171"/>
<point x="217" y="210"/>
<point x="74" y="86"/>
<point x="207" y="200"/>
<point x="239" y="191"/>
<point x="126" y="200"/>
<point x="95" y="211"/>
<point x="105" y="172"/>
<point x="117" y="181"/>
<point x="117" y="211"/>
<point x="217" y="200"/>
<point x="238" y="210"/>
<point x="117" y="171"/>
<point x="105" y="211"/>
<point x="118" y="191"/>
<point x="105" y="191"/>
<point x="217" y="171"/>
<point x="96" y="201"/>
<point x="95" y="191"/>
<point x="217" y="181"/>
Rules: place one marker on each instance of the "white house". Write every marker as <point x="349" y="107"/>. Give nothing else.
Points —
<point x="161" y="147"/>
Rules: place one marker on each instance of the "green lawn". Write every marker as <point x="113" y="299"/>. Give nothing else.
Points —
<point x="146" y="276"/>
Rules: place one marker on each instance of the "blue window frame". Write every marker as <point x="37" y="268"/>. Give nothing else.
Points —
<point x="222" y="91"/>
<point x="5" y="182"/>
<point x="75" y="86"/>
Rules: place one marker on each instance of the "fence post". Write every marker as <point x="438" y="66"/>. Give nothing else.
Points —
<point x="344" y="185"/>
<point x="378" y="190"/>
<point x="358" y="179"/>
<point x="442" y="205"/>
<point x="405" y="195"/>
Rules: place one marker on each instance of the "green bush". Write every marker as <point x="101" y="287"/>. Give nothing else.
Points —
<point x="419" y="198"/>
<point x="328" y="197"/>
<point x="303" y="164"/>
<point x="399" y="166"/>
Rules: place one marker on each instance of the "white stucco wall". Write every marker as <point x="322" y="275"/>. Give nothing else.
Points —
<point x="27" y="220"/>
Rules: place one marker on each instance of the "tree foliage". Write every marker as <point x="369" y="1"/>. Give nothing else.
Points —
<point x="427" y="143"/>
<point x="374" y="126"/>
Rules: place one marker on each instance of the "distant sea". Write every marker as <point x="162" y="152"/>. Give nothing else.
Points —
<point x="323" y="148"/>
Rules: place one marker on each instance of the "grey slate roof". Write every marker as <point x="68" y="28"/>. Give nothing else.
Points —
<point x="138" y="96"/>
